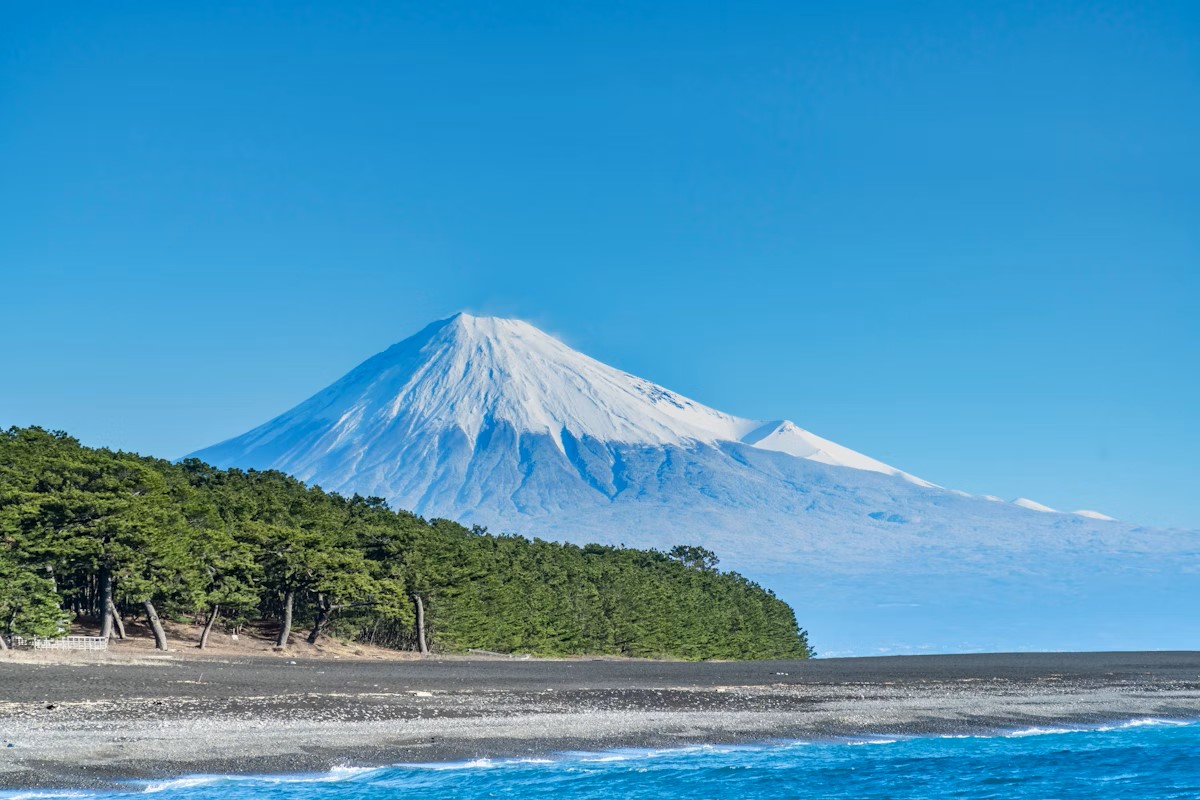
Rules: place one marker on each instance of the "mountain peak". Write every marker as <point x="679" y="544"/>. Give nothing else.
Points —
<point x="473" y="375"/>
<point x="468" y="330"/>
<point x="481" y="325"/>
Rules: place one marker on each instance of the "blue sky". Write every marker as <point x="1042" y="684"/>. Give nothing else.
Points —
<point x="961" y="237"/>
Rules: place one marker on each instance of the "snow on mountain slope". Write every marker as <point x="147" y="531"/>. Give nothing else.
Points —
<point x="1032" y="505"/>
<point x="492" y="421"/>
<point x="786" y="437"/>
<point x="471" y="374"/>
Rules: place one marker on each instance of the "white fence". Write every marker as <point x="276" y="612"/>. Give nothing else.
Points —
<point x="61" y="643"/>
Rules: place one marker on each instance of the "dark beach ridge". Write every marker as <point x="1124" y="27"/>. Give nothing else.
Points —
<point x="93" y="722"/>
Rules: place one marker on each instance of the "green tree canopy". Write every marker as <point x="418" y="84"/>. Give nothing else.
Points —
<point x="105" y="534"/>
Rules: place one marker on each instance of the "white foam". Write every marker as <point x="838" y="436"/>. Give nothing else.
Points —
<point x="1133" y="723"/>
<point x="186" y="782"/>
<point x="1144" y="723"/>
<point x="1124" y="776"/>
<point x="334" y="775"/>
<point x="1036" y="731"/>
<point x="1048" y="731"/>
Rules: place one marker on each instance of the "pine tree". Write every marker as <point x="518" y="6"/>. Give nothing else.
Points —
<point x="102" y="532"/>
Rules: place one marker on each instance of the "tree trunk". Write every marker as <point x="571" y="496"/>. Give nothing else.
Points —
<point x="160" y="636"/>
<point x="421" y="624"/>
<point x="104" y="606"/>
<point x="116" y="617"/>
<point x="323" y="609"/>
<point x="3" y="641"/>
<point x="208" y="626"/>
<point x="285" y="630"/>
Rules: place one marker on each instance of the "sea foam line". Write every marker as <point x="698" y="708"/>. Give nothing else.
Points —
<point x="1144" y="722"/>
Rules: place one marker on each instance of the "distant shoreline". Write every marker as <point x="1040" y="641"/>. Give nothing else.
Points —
<point x="162" y="718"/>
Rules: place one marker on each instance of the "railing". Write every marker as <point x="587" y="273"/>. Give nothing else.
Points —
<point x="61" y="643"/>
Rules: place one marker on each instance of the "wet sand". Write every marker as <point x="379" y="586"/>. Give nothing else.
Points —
<point x="90" y="723"/>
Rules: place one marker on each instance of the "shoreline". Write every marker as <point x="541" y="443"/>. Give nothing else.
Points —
<point x="343" y="770"/>
<point x="83" y="725"/>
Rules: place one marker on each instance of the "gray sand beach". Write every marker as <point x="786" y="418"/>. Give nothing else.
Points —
<point x="93" y="722"/>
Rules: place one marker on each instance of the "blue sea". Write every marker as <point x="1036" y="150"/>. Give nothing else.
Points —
<point x="1138" y="759"/>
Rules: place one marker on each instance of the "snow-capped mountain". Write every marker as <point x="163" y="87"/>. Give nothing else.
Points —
<point x="492" y="421"/>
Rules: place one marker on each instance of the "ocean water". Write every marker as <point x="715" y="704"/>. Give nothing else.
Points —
<point x="1138" y="759"/>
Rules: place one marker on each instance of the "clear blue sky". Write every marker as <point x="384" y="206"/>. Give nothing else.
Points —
<point x="961" y="237"/>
